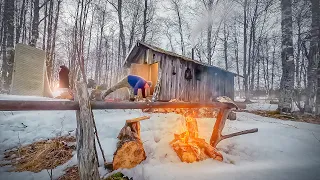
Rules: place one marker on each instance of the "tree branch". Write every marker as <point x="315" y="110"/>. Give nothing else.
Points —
<point x="43" y="4"/>
<point x="115" y="7"/>
<point x="43" y="18"/>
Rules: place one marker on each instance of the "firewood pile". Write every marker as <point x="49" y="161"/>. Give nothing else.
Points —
<point x="190" y="148"/>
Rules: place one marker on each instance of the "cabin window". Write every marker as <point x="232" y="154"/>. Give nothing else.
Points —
<point x="188" y="74"/>
<point x="198" y="74"/>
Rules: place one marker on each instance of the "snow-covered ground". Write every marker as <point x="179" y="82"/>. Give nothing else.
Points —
<point x="280" y="150"/>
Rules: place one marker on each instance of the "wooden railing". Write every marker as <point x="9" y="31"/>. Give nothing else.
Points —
<point x="15" y="105"/>
<point x="86" y="130"/>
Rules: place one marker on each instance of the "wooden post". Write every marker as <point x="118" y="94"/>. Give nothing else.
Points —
<point x="218" y="126"/>
<point x="87" y="160"/>
<point x="217" y="136"/>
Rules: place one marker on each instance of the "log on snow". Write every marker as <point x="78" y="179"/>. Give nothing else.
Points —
<point x="130" y="151"/>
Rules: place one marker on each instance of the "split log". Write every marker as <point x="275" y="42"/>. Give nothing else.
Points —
<point x="130" y="151"/>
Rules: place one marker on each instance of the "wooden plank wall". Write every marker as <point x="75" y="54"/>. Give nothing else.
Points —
<point x="213" y="82"/>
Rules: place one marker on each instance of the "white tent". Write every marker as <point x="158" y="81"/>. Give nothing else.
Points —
<point x="29" y="72"/>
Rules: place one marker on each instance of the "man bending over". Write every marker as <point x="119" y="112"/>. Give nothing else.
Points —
<point x="133" y="83"/>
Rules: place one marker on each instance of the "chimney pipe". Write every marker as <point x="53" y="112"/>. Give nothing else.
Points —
<point x="192" y="53"/>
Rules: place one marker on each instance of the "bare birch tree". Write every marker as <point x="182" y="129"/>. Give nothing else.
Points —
<point x="314" y="55"/>
<point x="287" y="79"/>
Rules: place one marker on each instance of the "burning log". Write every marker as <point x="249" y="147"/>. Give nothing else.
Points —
<point x="190" y="148"/>
<point x="130" y="151"/>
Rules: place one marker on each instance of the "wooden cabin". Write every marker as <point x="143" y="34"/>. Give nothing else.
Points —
<point x="178" y="77"/>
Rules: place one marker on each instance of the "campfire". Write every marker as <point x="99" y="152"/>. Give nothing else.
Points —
<point x="189" y="147"/>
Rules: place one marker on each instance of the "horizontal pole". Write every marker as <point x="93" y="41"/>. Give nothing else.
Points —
<point x="239" y="133"/>
<point x="9" y="105"/>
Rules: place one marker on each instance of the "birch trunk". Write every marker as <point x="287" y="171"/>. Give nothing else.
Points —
<point x="315" y="47"/>
<point x="287" y="79"/>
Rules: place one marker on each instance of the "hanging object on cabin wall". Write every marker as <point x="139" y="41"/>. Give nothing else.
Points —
<point x="188" y="74"/>
<point x="174" y="70"/>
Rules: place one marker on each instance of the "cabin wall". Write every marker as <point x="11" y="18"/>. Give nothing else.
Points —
<point x="212" y="83"/>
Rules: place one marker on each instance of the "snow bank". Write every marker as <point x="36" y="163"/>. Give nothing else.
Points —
<point x="280" y="150"/>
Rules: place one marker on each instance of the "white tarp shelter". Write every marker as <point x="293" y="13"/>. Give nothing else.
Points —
<point x="29" y="72"/>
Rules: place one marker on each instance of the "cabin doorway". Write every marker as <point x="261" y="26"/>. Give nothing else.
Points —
<point x="147" y="71"/>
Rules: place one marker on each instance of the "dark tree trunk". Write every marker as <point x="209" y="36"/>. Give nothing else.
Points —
<point x="122" y="37"/>
<point x="273" y="62"/>
<point x="176" y="7"/>
<point x="145" y="20"/>
<point x="252" y="47"/>
<point x="9" y="47"/>
<point x="236" y="53"/>
<point x="44" y="28"/>
<point x="287" y="79"/>
<point x="49" y="62"/>
<point x="88" y="50"/>
<point x="53" y="55"/>
<point x="134" y="24"/>
<point x="22" y="16"/>
<point x="209" y="33"/>
<point x="225" y="45"/>
<point x="245" y="26"/>
<point x="297" y="70"/>
<point x="35" y="24"/>
<point x="24" y="27"/>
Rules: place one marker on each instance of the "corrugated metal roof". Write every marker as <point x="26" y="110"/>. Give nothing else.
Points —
<point x="134" y="50"/>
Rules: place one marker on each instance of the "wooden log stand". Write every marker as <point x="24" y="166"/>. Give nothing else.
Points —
<point x="217" y="136"/>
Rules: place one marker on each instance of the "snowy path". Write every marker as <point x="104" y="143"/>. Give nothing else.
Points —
<point x="280" y="150"/>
